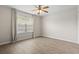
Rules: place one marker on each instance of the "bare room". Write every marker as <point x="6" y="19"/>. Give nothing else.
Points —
<point x="39" y="29"/>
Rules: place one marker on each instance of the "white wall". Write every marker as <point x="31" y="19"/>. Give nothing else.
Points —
<point x="37" y="26"/>
<point x="5" y="24"/>
<point x="78" y="23"/>
<point x="61" y="24"/>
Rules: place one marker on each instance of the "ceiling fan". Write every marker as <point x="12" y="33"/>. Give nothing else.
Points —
<point x="41" y="8"/>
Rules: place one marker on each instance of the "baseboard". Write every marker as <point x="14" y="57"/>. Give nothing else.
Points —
<point x="7" y="42"/>
<point x="27" y="38"/>
<point x="61" y="39"/>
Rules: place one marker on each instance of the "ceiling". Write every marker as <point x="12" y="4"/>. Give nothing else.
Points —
<point x="51" y="9"/>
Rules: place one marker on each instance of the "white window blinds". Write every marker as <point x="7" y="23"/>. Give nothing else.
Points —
<point x="24" y="22"/>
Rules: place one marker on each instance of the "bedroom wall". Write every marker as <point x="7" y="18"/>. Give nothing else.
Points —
<point x="78" y="23"/>
<point x="37" y="25"/>
<point x="5" y="24"/>
<point x="61" y="24"/>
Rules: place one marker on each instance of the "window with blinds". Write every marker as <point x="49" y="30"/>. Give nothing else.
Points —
<point x="24" y="22"/>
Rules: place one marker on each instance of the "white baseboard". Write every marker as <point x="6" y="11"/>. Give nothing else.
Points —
<point x="7" y="42"/>
<point x="62" y="40"/>
<point x="27" y="38"/>
<point x="2" y="43"/>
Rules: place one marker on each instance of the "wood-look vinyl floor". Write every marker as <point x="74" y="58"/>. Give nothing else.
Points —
<point x="40" y="45"/>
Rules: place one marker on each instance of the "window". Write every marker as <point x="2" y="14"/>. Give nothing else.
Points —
<point x="24" y="23"/>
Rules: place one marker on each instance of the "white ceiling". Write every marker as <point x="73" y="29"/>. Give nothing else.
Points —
<point x="51" y="9"/>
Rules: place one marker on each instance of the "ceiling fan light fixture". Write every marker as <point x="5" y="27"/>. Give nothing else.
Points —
<point x="41" y="9"/>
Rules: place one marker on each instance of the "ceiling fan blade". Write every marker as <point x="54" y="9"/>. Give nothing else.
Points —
<point x="35" y="9"/>
<point x="45" y="7"/>
<point x="45" y="11"/>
